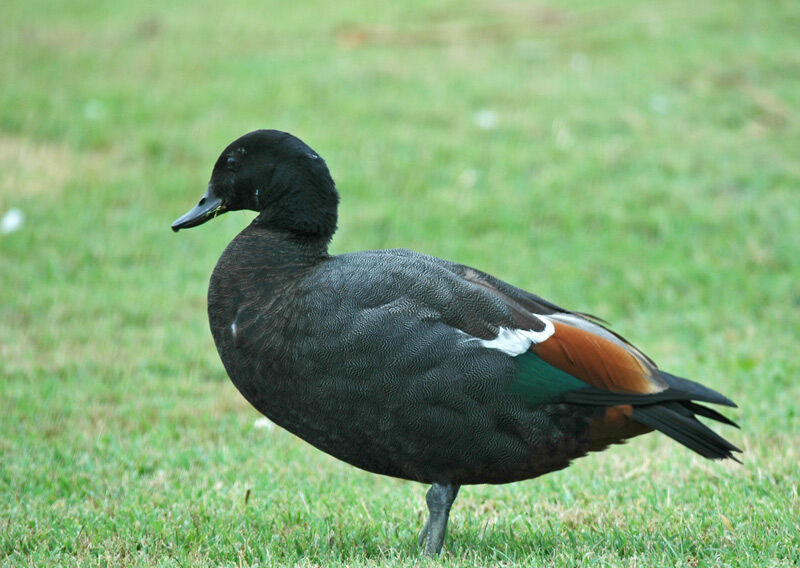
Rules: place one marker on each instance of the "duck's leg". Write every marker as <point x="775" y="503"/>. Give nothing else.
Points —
<point x="439" y="498"/>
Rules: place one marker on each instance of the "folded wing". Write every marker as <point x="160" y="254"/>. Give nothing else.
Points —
<point x="570" y="357"/>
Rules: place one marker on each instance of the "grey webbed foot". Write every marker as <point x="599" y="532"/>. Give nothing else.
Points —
<point x="439" y="498"/>
<point x="423" y="534"/>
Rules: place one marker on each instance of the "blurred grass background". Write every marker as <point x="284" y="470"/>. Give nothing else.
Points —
<point x="637" y="160"/>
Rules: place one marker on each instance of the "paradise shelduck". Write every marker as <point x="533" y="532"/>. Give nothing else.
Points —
<point x="412" y="366"/>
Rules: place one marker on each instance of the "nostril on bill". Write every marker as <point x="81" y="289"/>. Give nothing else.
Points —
<point x="202" y="201"/>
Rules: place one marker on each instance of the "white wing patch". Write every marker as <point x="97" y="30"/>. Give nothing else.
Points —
<point x="517" y="341"/>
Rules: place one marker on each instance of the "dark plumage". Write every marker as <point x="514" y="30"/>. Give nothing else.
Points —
<point x="412" y="366"/>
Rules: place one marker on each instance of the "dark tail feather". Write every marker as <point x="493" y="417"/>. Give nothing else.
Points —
<point x="671" y="411"/>
<point x="708" y="413"/>
<point x="696" y="391"/>
<point x="678" y="389"/>
<point x="678" y="422"/>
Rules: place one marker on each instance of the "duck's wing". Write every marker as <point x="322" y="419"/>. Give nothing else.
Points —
<point x="570" y="357"/>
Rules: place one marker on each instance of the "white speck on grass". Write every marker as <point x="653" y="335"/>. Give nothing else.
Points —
<point x="486" y="119"/>
<point x="264" y="423"/>
<point x="12" y="221"/>
<point x="579" y="62"/>
<point x="468" y="178"/>
<point x="562" y="135"/>
<point x="659" y="104"/>
<point x="94" y="109"/>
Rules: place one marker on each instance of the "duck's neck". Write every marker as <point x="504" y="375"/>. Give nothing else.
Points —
<point x="286" y="251"/>
<point x="310" y="214"/>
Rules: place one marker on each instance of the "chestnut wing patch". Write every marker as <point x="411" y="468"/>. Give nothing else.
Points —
<point x="562" y="358"/>
<point x="597" y="361"/>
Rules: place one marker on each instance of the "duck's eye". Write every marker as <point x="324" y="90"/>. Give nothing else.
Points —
<point x="230" y="162"/>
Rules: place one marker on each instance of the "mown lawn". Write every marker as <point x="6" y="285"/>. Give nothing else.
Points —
<point x="637" y="160"/>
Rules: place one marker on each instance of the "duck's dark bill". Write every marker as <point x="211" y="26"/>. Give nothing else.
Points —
<point x="209" y="207"/>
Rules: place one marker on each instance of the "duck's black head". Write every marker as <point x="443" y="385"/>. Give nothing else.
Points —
<point x="276" y="174"/>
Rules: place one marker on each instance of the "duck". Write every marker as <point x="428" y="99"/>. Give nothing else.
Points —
<point x="411" y="366"/>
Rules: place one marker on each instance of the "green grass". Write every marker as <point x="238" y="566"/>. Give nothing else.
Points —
<point x="643" y="166"/>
